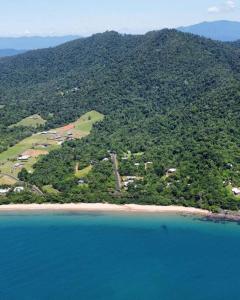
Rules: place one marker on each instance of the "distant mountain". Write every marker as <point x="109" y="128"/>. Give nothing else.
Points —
<point x="34" y="42"/>
<point x="226" y="31"/>
<point x="10" y="52"/>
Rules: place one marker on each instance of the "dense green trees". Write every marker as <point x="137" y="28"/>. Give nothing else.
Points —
<point x="171" y="97"/>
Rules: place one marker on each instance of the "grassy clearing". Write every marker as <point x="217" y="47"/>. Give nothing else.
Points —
<point x="2" y="106"/>
<point x="31" y="121"/>
<point x="5" y="180"/>
<point x="85" y="123"/>
<point x="50" y="190"/>
<point x="84" y="172"/>
<point x="47" y="142"/>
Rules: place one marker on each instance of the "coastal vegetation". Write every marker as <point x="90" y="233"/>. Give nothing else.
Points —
<point x="171" y="106"/>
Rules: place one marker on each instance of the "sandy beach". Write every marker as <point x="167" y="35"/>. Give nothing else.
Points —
<point x="104" y="207"/>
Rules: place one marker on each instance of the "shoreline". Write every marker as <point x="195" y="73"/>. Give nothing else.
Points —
<point x="230" y="216"/>
<point x="104" y="207"/>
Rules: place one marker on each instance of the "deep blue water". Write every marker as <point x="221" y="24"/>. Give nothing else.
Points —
<point x="110" y="256"/>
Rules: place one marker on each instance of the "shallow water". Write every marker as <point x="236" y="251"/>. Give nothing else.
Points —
<point x="117" y="256"/>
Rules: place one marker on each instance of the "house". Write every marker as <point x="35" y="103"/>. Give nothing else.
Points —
<point x="74" y="89"/>
<point x="172" y="171"/>
<point x="24" y="157"/>
<point x="105" y="159"/>
<point x="18" y="189"/>
<point x="131" y="177"/>
<point x="4" y="191"/>
<point x="229" y="166"/>
<point x="127" y="182"/>
<point x="236" y="191"/>
<point x="147" y="164"/>
<point x="81" y="182"/>
<point x="18" y="165"/>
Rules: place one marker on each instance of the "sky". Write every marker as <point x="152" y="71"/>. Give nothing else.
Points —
<point x="84" y="17"/>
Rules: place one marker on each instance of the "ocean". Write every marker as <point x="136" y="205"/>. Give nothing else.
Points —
<point x="104" y="256"/>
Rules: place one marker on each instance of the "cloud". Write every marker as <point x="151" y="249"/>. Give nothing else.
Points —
<point x="27" y="32"/>
<point x="230" y="4"/>
<point x="214" y="9"/>
<point x="227" y="6"/>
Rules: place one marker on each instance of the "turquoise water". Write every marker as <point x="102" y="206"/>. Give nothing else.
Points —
<point x="111" y="256"/>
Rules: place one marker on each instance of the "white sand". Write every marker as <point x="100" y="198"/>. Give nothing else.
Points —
<point x="104" y="207"/>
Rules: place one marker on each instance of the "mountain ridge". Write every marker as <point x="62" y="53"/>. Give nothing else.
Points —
<point x="172" y="97"/>
<point x="227" y="31"/>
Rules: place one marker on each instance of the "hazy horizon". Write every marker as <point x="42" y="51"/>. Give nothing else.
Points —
<point x="74" y="17"/>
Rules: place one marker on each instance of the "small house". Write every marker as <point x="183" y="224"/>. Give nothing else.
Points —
<point x="24" y="157"/>
<point x="18" y="165"/>
<point x="4" y="191"/>
<point x="172" y="171"/>
<point x="81" y="182"/>
<point x="52" y="132"/>
<point x="19" y="189"/>
<point x="236" y="191"/>
<point x="105" y="159"/>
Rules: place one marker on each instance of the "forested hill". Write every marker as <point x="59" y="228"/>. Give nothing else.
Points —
<point x="236" y="44"/>
<point x="170" y="96"/>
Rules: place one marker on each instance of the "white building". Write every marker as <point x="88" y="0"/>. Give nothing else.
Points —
<point x="4" y="191"/>
<point x="19" y="189"/>
<point x="172" y="170"/>
<point x="236" y="191"/>
<point x="24" y="157"/>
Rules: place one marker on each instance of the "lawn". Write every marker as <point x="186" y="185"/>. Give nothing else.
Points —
<point x="31" y="121"/>
<point x="5" y="180"/>
<point x="84" y="172"/>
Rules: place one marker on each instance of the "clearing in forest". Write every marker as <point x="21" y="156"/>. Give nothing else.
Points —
<point x="27" y="152"/>
<point x="31" y="121"/>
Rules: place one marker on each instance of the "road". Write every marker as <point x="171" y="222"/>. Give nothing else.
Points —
<point x="34" y="188"/>
<point x="116" y="172"/>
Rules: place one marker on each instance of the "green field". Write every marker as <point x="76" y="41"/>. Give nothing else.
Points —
<point x="9" y="158"/>
<point x="84" y="172"/>
<point x="1" y="106"/>
<point x="86" y="122"/>
<point x="5" y="180"/>
<point x="31" y="121"/>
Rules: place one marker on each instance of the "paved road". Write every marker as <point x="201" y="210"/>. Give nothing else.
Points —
<point x="116" y="172"/>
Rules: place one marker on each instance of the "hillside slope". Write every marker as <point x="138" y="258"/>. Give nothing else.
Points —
<point x="170" y="99"/>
